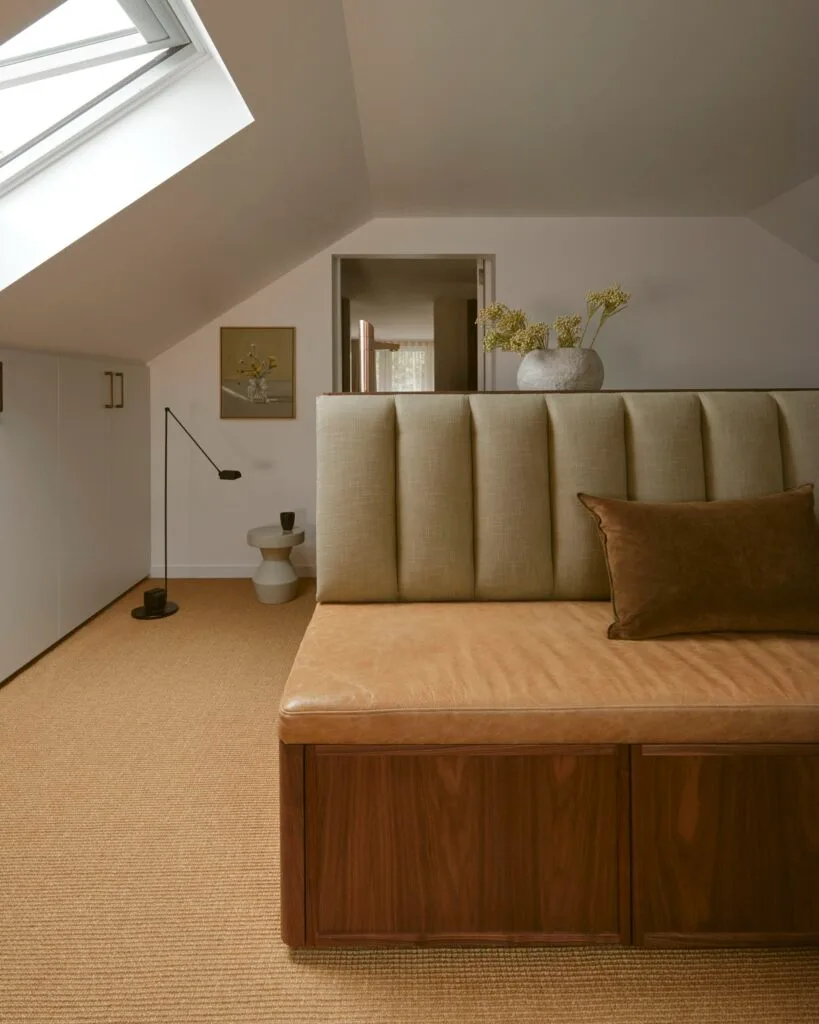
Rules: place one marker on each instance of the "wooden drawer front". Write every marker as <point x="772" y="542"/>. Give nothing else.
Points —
<point x="467" y="844"/>
<point x="725" y="845"/>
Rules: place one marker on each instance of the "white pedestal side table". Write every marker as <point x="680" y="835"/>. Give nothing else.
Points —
<point x="274" y="580"/>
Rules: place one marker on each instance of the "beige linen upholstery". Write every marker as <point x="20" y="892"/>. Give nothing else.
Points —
<point x="588" y="453"/>
<point x="539" y="672"/>
<point x="461" y="497"/>
<point x="743" y="454"/>
<point x="355" y="539"/>
<point x="513" y="558"/>
<point x="664" y="446"/>
<point x="434" y="450"/>
<point x="799" y="437"/>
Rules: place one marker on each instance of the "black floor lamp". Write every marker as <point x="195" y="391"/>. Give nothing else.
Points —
<point x="155" y="601"/>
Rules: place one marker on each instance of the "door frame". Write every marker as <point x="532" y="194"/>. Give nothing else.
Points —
<point x="485" y="291"/>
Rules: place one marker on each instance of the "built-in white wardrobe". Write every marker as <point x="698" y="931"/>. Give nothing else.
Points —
<point x="74" y="494"/>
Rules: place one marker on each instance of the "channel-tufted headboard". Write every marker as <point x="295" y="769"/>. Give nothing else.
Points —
<point x="474" y="497"/>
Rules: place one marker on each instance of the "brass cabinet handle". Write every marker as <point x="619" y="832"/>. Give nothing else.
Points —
<point x="121" y="403"/>
<point x="110" y="403"/>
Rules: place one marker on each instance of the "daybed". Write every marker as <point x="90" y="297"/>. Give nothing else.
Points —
<point x="465" y="757"/>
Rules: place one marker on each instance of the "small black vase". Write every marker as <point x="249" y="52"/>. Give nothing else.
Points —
<point x="287" y="519"/>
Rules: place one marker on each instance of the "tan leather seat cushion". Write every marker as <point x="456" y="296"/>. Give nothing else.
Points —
<point x="539" y="672"/>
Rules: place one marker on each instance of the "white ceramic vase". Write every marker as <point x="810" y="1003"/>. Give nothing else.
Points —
<point x="561" y="369"/>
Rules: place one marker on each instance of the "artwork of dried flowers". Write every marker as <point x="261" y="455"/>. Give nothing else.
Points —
<point x="257" y="372"/>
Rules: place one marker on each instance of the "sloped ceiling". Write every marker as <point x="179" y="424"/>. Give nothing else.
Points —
<point x="552" y="107"/>
<point x="794" y="218"/>
<point x="15" y="15"/>
<point x="473" y="107"/>
<point x="249" y="211"/>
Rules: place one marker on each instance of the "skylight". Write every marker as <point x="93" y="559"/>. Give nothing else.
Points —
<point x="74" y="67"/>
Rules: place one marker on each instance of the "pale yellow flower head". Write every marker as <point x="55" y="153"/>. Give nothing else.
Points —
<point x="611" y="299"/>
<point x="567" y="329"/>
<point x="492" y="313"/>
<point x="510" y="330"/>
<point x="530" y="337"/>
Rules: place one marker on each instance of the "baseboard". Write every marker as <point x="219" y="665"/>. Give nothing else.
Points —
<point x="218" y="572"/>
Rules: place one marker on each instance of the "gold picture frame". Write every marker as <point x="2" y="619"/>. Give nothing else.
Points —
<point x="257" y="373"/>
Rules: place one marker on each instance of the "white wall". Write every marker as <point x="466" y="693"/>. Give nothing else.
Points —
<point x="718" y="302"/>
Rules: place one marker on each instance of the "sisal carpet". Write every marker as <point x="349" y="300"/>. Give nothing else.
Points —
<point x="138" y="866"/>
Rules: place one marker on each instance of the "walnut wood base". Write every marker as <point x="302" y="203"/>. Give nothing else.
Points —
<point x="725" y="845"/>
<point x="655" y="845"/>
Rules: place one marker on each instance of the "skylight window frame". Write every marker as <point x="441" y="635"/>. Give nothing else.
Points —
<point x="149" y="15"/>
<point x="179" y="51"/>
<point x="48" y="51"/>
<point x="81" y="64"/>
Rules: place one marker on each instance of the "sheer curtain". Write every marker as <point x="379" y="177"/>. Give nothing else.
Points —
<point x="410" y="368"/>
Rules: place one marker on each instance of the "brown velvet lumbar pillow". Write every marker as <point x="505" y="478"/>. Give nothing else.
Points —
<point x="750" y="565"/>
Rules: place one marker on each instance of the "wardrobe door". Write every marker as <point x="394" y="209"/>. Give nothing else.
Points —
<point x="130" y="474"/>
<point x="86" y="408"/>
<point x="29" y="507"/>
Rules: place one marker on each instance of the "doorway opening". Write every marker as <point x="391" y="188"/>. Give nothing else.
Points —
<point x="408" y="323"/>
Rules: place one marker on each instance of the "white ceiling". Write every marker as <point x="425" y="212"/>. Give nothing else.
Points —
<point x="474" y="107"/>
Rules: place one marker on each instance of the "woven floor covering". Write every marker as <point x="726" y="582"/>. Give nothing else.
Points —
<point x="139" y="861"/>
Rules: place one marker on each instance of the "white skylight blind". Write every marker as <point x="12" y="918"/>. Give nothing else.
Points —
<point x="73" y="67"/>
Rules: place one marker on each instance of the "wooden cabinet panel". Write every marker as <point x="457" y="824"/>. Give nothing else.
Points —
<point x="130" y="474"/>
<point x="74" y="494"/>
<point x="485" y="844"/>
<point x="29" y="508"/>
<point x="104" y="484"/>
<point x="85" y="486"/>
<point x="291" y="842"/>
<point x="726" y="845"/>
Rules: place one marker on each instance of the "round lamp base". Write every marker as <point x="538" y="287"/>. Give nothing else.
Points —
<point x="169" y="609"/>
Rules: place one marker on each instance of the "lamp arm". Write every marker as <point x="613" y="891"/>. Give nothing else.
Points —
<point x="169" y="412"/>
<point x="156" y="604"/>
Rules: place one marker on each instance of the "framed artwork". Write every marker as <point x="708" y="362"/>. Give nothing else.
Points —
<point x="257" y="373"/>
